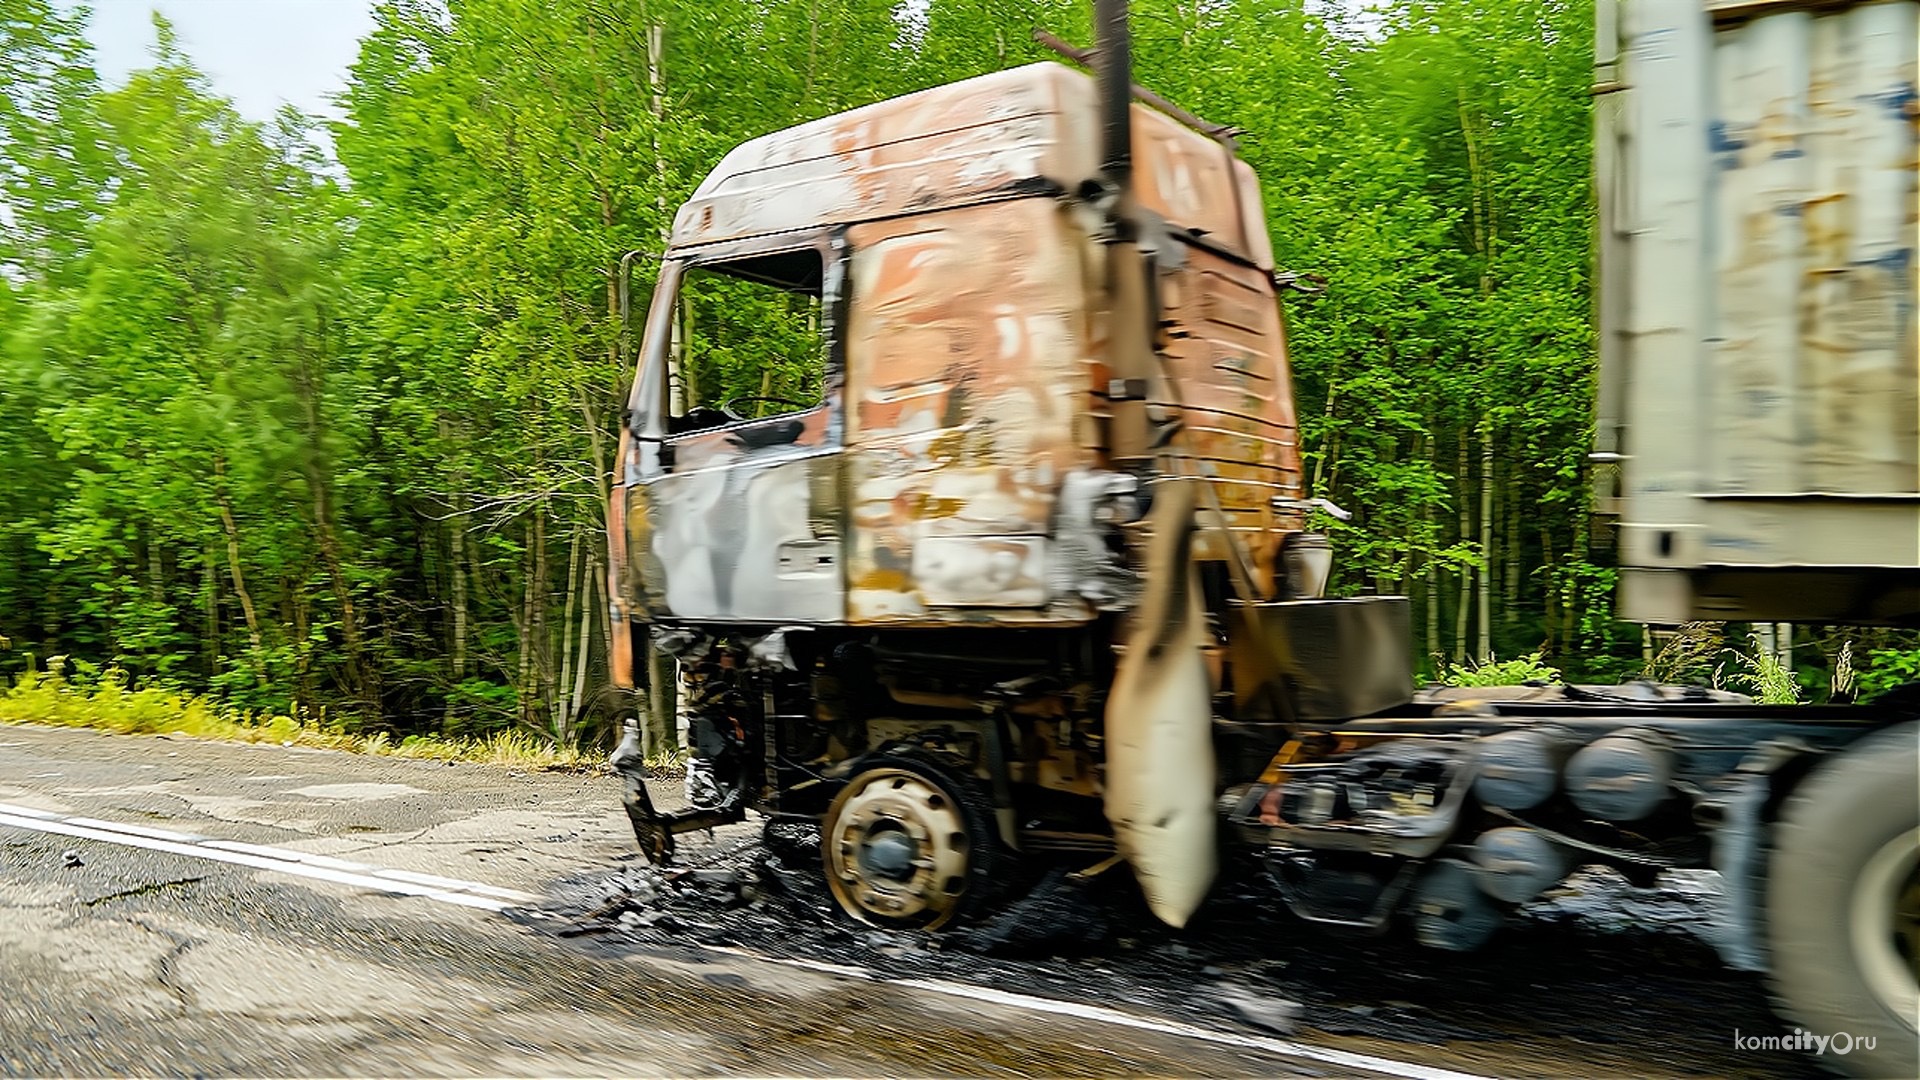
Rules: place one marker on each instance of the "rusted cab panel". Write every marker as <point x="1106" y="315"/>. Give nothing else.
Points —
<point x="1227" y="356"/>
<point x="1756" y="163"/>
<point x="966" y="367"/>
<point x="953" y="472"/>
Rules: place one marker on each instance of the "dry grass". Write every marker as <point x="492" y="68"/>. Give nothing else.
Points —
<point x="109" y="704"/>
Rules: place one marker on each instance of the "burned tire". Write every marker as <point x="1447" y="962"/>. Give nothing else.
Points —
<point x="909" y="845"/>
<point x="1843" y="905"/>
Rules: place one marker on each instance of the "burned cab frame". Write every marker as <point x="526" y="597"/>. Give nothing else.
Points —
<point x="1031" y="338"/>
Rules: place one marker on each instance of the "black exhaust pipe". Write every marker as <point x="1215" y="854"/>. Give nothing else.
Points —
<point x="1113" y="73"/>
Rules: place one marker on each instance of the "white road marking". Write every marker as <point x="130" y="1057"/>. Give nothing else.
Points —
<point x="1343" y="1058"/>
<point x="277" y="860"/>
<point x="491" y="898"/>
<point x="1100" y="1014"/>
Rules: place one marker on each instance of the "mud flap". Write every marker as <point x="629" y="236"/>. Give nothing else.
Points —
<point x="1160" y="767"/>
<point x="652" y="829"/>
<point x="629" y="763"/>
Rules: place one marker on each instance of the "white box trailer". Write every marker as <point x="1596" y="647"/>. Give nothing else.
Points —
<point x="1759" y="392"/>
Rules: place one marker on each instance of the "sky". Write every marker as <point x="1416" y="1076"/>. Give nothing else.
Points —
<point x="260" y="53"/>
<point x="263" y="53"/>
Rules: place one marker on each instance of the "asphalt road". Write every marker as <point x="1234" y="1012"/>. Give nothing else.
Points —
<point x="275" y="911"/>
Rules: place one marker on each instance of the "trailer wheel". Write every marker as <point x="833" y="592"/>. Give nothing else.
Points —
<point x="1843" y="904"/>
<point x="908" y="845"/>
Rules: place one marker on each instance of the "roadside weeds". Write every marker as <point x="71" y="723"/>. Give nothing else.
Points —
<point x="40" y="697"/>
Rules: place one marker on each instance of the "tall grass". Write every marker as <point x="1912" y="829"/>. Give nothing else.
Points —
<point x="1765" y="677"/>
<point x="105" y="701"/>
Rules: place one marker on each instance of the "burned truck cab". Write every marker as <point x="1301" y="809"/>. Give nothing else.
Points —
<point x="954" y="276"/>
<point x="918" y="536"/>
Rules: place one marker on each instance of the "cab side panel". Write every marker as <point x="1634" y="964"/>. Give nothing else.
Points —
<point x="745" y="528"/>
<point x="967" y="368"/>
<point x="1227" y="353"/>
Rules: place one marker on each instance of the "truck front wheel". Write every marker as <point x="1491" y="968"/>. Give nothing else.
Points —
<point x="908" y="845"/>
<point x="1843" y="905"/>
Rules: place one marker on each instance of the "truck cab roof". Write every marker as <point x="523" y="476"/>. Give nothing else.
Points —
<point x="1025" y="131"/>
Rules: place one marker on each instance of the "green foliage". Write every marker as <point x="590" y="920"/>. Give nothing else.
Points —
<point x="1761" y="674"/>
<point x="1495" y="672"/>
<point x="1887" y="669"/>
<point x="747" y="339"/>
<point x="333" y="439"/>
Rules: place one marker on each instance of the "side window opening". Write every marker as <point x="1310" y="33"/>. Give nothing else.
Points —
<point x="749" y="340"/>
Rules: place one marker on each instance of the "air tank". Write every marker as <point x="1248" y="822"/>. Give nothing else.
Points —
<point x="1516" y="864"/>
<point x="1621" y="777"/>
<point x="1519" y="769"/>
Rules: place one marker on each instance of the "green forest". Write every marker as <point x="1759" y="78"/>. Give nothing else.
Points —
<point x="329" y="433"/>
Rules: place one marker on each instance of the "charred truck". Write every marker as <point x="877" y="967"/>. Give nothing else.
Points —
<point x="1021" y="569"/>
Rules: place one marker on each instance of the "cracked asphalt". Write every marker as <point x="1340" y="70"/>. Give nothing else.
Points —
<point x="148" y="962"/>
<point x="143" y="962"/>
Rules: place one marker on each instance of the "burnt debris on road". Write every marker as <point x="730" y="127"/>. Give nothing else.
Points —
<point x="1244" y="964"/>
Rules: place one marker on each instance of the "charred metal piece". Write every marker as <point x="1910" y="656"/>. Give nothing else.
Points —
<point x="1339" y="659"/>
<point x="1740" y="855"/>
<point x="1354" y="893"/>
<point x="1398" y="798"/>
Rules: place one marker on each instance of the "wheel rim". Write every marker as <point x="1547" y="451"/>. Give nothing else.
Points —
<point x="896" y="850"/>
<point x="1885" y="926"/>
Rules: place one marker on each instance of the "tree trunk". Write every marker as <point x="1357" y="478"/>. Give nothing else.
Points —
<point x="456" y="574"/>
<point x="210" y="583"/>
<point x="813" y="47"/>
<point x="677" y="401"/>
<point x="303" y="704"/>
<point x="540" y="648"/>
<point x="688" y="383"/>
<point x="1486" y="542"/>
<point x="1466" y="572"/>
<point x="232" y="529"/>
<point x="1510" y="503"/>
<point x="524" y="624"/>
<point x="563" y="701"/>
<point x="1326" y="452"/>
<point x="457" y="540"/>
<point x="1485" y="237"/>
<point x="156" y="569"/>
<point x="578" y="694"/>
<point x="363" y="680"/>
<point x="1430" y="577"/>
<point x="599" y="575"/>
<point x="1550" y="608"/>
